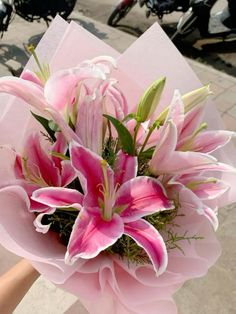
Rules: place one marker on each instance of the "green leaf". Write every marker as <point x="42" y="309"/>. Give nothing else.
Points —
<point x="147" y="153"/>
<point x="125" y="137"/>
<point x="46" y="124"/>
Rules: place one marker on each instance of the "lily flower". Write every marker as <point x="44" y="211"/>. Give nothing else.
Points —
<point x="114" y="203"/>
<point x="39" y="166"/>
<point x="196" y="191"/>
<point x="178" y="153"/>
<point x="75" y="99"/>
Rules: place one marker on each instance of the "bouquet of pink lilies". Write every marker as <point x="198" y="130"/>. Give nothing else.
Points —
<point x="108" y="181"/>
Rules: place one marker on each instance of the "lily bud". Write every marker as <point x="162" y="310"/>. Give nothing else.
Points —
<point x="150" y="99"/>
<point x="195" y="97"/>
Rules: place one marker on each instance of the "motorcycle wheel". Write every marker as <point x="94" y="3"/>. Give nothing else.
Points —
<point x="120" y="11"/>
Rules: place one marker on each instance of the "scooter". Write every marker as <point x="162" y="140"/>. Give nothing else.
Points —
<point x="32" y="10"/>
<point x="221" y="24"/>
<point x="154" y="7"/>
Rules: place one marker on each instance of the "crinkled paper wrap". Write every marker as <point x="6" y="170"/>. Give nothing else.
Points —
<point x="105" y="284"/>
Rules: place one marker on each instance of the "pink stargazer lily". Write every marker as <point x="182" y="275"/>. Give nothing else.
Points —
<point x="78" y="96"/>
<point x="37" y="167"/>
<point x="113" y="204"/>
<point x="181" y="148"/>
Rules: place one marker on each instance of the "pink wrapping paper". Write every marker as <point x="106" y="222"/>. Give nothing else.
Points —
<point x="108" y="285"/>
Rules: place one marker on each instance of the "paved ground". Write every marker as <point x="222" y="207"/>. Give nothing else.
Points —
<point x="214" y="294"/>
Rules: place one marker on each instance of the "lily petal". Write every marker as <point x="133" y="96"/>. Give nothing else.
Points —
<point x="28" y="91"/>
<point x="91" y="235"/>
<point x="69" y="134"/>
<point x="192" y="120"/>
<point x="89" y="166"/>
<point x="125" y="167"/>
<point x="107" y="60"/>
<point x="140" y="197"/>
<point x="61" y="87"/>
<point x="176" y="111"/>
<point x="39" y="227"/>
<point x="89" y="125"/>
<point x="115" y="102"/>
<point x="68" y="173"/>
<point x="39" y="164"/>
<point x="205" y="188"/>
<point x="60" y="146"/>
<point x="31" y="76"/>
<point x="211" y="215"/>
<point x="151" y="241"/>
<point x="183" y="162"/>
<point x="165" y="146"/>
<point x="58" y="197"/>
<point x="209" y="141"/>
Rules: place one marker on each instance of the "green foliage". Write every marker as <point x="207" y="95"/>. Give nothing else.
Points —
<point x="109" y="151"/>
<point x="62" y="222"/>
<point x="125" y="138"/>
<point x="46" y="124"/>
<point x="164" y="222"/>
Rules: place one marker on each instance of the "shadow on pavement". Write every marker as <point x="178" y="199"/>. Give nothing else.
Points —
<point x="135" y="31"/>
<point x="14" y="58"/>
<point x="89" y="26"/>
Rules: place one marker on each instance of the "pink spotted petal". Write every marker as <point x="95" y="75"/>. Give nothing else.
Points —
<point x="91" y="235"/>
<point x="89" y="125"/>
<point x="28" y="91"/>
<point x="58" y="197"/>
<point x="176" y="111"/>
<point x="125" y="167"/>
<point x="147" y="237"/>
<point x="209" y="141"/>
<point x="140" y="197"/>
<point x="165" y="146"/>
<point x="211" y="215"/>
<point x="61" y="88"/>
<point x="88" y="165"/>
<point x="31" y="76"/>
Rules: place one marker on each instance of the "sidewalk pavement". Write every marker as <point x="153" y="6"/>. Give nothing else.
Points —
<point x="215" y="293"/>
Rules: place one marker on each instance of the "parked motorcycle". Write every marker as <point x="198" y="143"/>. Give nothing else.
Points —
<point x="154" y="7"/>
<point x="221" y="24"/>
<point x="32" y="10"/>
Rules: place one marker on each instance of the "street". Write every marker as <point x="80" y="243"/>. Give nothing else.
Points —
<point x="220" y="55"/>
